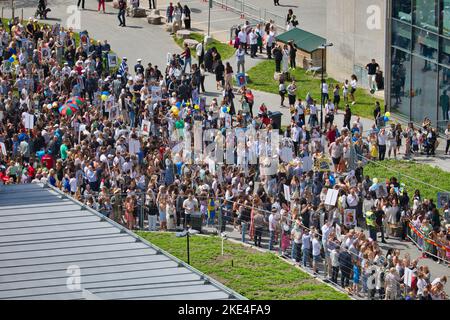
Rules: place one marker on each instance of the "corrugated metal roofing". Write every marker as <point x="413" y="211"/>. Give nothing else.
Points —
<point x="43" y="232"/>
<point x="304" y="40"/>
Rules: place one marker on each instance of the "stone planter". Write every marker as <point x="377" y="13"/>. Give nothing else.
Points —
<point x="154" y="19"/>
<point x="183" y="34"/>
<point x="191" y="43"/>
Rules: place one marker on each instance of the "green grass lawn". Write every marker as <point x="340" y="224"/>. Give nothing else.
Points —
<point x="253" y="274"/>
<point x="226" y="51"/>
<point x="261" y="78"/>
<point x="422" y="172"/>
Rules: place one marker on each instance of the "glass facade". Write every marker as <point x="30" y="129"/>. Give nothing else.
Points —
<point x="420" y="59"/>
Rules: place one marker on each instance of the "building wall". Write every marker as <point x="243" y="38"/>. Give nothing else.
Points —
<point x="357" y="30"/>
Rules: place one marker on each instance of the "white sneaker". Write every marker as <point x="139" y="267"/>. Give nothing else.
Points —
<point x="353" y="103"/>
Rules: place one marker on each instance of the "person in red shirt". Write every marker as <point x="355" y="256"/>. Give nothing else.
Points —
<point x="331" y="135"/>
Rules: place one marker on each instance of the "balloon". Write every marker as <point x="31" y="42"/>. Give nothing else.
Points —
<point x="228" y="109"/>
<point x="386" y="119"/>
<point x="104" y="97"/>
<point x="224" y="109"/>
<point x="106" y="93"/>
<point x="387" y="114"/>
<point x="375" y="180"/>
<point x="175" y="113"/>
<point x="11" y="59"/>
<point x="196" y="107"/>
<point x="188" y="103"/>
<point x="178" y="104"/>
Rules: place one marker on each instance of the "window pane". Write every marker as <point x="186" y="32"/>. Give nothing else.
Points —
<point x="401" y="79"/>
<point x="424" y="83"/>
<point x="426" y="14"/>
<point x="444" y="98"/>
<point x="445" y="52"/>
<point x="425" y="43"/>
<point x="401" y="35"/>
<point x="401" y="9"/>
<point x="445" y="11"/>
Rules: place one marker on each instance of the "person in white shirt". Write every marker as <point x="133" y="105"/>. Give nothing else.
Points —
<point x="253" y="37"/>
<point x="270" y="41"/>
<point x="306" y="247"/>
<point x="242" y="35"/>
<point x="447" y="137"/>
<point x="199" y="50"/>
<point x="353" y="84"/>
<point x="382" y="137"/>
<point x="313" y="121"/>
<point x="334" y="258"/>
<point x="190" y="205"/>
<point x="325" y="95"/>
<point x="392" y="141"/>
<point x="240" y="58"/>
<point x="316" y="252"/>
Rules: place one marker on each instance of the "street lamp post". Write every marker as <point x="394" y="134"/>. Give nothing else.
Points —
<point x="187" y="234"/>
<point x="323" y="46"/>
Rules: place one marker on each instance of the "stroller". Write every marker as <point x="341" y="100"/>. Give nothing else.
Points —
<point x="42" y="10"/>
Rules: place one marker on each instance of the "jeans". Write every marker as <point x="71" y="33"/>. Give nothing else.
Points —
<point x="186" y="62"/>
<point x="296" y="251"/>
<point x="240" y="64"/>
<point x="334" y="274"/>
<point x="121" y="17"/>
<point x="272" y="239"/>
<point x="244" y="230"/>
<point x="372" y="82"/>
<point x="132" y="116"/>
<point x="447" y="146"/>
<point x="345" y="278"/>
<point x="258" y="236"/>
<point x="382" y="151"/>
<point x="253" y="50"/>
<point x="305" y="256"/>
<point x="269" y="51"/>
<point x="373" y="233"/>
<point x="152" y="222"/>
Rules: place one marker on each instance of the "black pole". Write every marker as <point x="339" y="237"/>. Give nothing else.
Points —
<point x="321" y="91"/>
<point x="188" y="256"/>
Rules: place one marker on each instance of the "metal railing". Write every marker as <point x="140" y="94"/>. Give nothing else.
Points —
<point x="247" y="10"/>
<point x="428" y="246"/>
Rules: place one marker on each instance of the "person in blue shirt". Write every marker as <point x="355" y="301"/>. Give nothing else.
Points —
<point x="51" y="178"/>
<point x="356" y="276"/>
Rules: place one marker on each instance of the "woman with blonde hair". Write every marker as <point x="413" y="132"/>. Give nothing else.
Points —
<point x="129" y="210"/>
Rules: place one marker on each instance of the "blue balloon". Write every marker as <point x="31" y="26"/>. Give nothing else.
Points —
<point x="332" y="180"/>
<point x="386" y="119"/>
<point x="106" y="93"/>
<point x="178" y="104"/>
<point x="11" y="59"/>
<point x="224" y="109"/>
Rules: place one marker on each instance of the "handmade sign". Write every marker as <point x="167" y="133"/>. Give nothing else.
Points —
<point x="145" y="129"/>
<point x="332" y="196"/>
<point x="350" y="218"/>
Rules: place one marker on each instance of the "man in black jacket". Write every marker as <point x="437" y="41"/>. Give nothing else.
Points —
<point x="278" y="55"/>
<point x="346" y="266"/>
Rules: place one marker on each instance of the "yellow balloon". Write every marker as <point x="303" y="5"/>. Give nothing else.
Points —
<point x="175" y="114"/>
<point x="375" y="180"/>
<point x="387" y="114"/>
<point x="104" y="97"/>
<point x="196" y="107"/>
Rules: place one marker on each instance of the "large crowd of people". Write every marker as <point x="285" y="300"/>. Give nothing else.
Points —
<point x="120" y="141"/>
